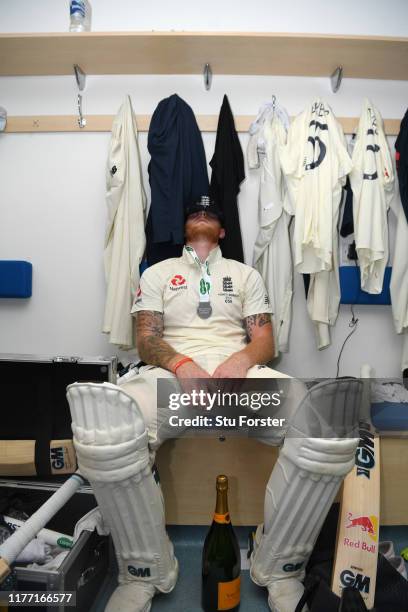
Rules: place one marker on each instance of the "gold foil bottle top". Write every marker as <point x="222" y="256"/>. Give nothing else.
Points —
<point x="221" y="514"/>
<point x="222" y="483"/>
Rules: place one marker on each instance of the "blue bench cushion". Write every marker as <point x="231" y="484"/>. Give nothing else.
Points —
<point x="351" y="292"/>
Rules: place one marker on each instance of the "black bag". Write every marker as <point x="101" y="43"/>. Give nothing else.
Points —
<point x="391" y="593"/>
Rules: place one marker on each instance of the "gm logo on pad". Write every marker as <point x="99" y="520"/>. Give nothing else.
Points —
<point x="139" y="572"/>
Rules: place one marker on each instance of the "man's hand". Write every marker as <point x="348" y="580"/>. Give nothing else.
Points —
<point x="187" y="375"/>
<point x="236" y="366"/>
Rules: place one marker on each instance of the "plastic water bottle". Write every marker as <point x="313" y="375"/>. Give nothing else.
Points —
<point x="80" y="14"/>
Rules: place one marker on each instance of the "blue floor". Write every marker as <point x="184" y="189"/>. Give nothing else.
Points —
<point x="188" y="543"/>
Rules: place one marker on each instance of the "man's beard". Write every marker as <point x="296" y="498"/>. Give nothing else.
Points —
<point x="203" y="231"/>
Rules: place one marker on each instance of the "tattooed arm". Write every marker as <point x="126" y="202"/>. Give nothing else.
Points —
<point x="150" y="344"/>
<point x="261" y="347"/>
<point x="156" y="351"/>
<point x="259" y="350"/>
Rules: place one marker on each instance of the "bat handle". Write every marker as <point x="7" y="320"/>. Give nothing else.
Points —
<point x="366" y="373"/>
<point x="13" y="546"/>
<point x="4" y="569"/>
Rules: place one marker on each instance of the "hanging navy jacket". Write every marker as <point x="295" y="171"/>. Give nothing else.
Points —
<point x="401" y="147"/>
<point x="177" y="175"/>
<point x="347" y="224"/>
<point x="228" y="173"/>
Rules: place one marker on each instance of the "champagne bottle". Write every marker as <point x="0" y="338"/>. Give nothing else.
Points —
<point x="221" y="558"/>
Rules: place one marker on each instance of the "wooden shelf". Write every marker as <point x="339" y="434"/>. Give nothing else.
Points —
<point x="244" y="53"/>
<point x="103" y="123"/>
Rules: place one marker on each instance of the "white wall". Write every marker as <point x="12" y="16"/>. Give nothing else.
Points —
<point x="52" y="185"/>
<point x="376" y="17"/>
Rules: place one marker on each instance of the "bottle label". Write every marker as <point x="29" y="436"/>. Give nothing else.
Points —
<point x="77" y="6"/>
<point x="224" y="519"/>
<point x="229" y="594"/>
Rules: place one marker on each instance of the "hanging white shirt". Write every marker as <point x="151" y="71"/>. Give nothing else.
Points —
<point x="272" y="252"/>
<point x="125" y="234"/>
<point x="372" y="182"/>
<point x="316" y="163"/>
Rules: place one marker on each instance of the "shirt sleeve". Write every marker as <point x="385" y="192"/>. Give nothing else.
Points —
<point x="149" y="295"/>
<point x="256" y="299"/>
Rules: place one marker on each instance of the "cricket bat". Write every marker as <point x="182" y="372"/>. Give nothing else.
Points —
<point x="359" y="520"/>
<point x="17" y="457"/>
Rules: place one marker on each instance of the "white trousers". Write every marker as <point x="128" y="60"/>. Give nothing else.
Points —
<point x="143" y="388"/>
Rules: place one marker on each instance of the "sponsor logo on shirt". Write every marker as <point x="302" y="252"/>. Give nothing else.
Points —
<point x="178" y="282"/>
<point x="266" y="300"/>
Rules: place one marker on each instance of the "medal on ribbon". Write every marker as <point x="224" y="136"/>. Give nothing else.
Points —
<point x="204" y="309"/>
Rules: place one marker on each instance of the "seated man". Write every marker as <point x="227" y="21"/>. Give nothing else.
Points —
<point x="201" y="316"/>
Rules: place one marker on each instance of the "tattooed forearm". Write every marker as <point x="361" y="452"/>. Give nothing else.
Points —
<point x="258" y="320"/>
<point x="151" y="346"/>
<point x="149" y="323"/>
<point x="156" y="351"/>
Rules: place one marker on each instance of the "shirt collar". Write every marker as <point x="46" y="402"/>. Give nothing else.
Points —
<point x="213" y="256"/>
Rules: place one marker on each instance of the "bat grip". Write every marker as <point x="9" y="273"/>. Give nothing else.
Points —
<point x="12" y="547"/>
<point x="366" y="374"/>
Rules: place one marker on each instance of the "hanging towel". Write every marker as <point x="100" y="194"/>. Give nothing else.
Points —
<point x="228" y="173"/>
<point x="177" y="174"/>
<point x="401" y="147"/>
<point x="315" y="162"/>
<point x="272" y="252"/>
<point x="125" y="236"/>
<point x="372" y="182"/>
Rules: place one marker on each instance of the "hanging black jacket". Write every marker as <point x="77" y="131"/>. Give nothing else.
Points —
<point x="347" y="224"/>
<point x="401" y="147"/>
<point x="177" y="174"/>
<point x="228" y="173"/>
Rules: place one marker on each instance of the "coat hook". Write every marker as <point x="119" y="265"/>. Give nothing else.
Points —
<point x="207" y="76"/>
<point x="336" y="78"/>
<point x="81" y="118"/>
<point x="80" y="77"/>
<point x="3" y="119"/>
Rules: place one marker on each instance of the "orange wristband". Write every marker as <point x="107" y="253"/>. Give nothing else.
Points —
<point x="180" y="363"/>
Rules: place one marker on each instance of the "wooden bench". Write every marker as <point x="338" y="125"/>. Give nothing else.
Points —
<point x="188" y="467"/>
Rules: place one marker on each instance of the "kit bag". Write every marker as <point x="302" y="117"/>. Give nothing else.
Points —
<point x="391" y="593"/>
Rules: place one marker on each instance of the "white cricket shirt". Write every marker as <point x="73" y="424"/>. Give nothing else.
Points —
<point x="172" y="288"/>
